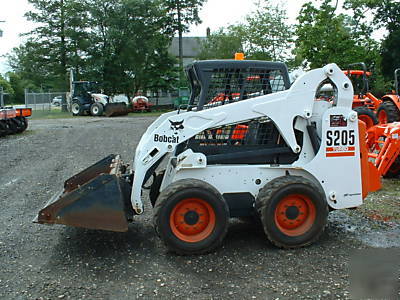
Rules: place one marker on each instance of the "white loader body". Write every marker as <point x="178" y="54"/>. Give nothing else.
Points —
<point x="335" y="167"/>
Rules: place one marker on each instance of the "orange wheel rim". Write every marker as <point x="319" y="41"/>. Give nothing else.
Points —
<point x="382" y="117"/>
<point x="295" y="214"/>
<point x="192" y="220"/>
<point x="367" y="120"/>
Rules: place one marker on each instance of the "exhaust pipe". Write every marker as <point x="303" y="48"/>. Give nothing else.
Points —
<point x="96" y="198"/>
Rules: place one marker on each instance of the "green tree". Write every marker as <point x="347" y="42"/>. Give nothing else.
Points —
<point x="183" y="13"/>
<point x="120" y="43"/>
<point x="264" y="35"/>
<point x="7" y="88"/>
<point x="323" y="36"/>
<point x="387" y="16"/>
<point x="59" y="37"/>
<point x="128" y="44"/>
<point x="222" y="44"/>
<point x="268" y="35"/>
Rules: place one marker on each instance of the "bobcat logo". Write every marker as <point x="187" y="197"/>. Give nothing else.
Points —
<point x="175" y="126"/>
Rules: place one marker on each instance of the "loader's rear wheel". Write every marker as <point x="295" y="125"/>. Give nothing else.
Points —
<point x="77" y="109"/>
<point x="388" y="113"/>
<point x="96" y="109"/>
<point x="366" y="115"/>
<point x="293" y="211"/>
<point x="191" y="217"/>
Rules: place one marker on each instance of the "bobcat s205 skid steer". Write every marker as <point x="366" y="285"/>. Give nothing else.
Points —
<point x="247" y="144"/>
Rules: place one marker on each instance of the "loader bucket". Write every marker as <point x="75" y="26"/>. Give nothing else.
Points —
<point x="96" y="198"/>
<point x="115" y="109"/>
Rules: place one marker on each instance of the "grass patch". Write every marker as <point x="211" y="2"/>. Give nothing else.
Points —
<point x="383" y="205"/>
<point x="58" y="114"/>
<point x="154" y="113"/>
<point x="50" y="114"/>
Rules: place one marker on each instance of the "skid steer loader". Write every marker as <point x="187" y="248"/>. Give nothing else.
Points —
<point x="266" y="149"/>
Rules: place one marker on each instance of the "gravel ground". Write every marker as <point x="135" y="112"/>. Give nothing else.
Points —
<point x="57" y="262"/>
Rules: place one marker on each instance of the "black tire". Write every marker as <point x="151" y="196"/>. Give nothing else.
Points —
<point x="387" y="113"/>
<point x="366" y="115"/>
<point x="77" y="109"/>
<point x="307" y="206"/>
<point x="3" y="128"/>
<point x="13" y="125"/>
<point x="96" y="109"/>
<point x="22" y="124"/>
<point x="211" y="215"/>
<point x="25" y="123"/>
<point x="394" y="170"/>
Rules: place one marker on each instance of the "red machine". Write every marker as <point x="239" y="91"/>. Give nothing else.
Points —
<point x="141" y="104"/>
<point x="13" y="120"/>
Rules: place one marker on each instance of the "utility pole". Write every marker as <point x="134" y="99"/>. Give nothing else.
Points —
<point x="1" y="88"/>
<point x="1" y="31"/>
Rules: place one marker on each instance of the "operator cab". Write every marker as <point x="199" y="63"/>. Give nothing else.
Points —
<point x="219" y="82"/>
<point x="84" y="89"/>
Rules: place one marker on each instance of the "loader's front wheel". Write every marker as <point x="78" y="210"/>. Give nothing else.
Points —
<point x="191" y="217"/>
<point x="293" y="211"/>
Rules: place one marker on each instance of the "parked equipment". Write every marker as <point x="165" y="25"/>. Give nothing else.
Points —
<point x="141" y="104"/>
<point x="364" y="102"/>
<point x="87" y="99"/>
<point x="270" y="151"/>
<point x="383" y="143"/>
<point x="389" y="109"/>
<point x="13" y="120"/>
<point x="183" y="98"/>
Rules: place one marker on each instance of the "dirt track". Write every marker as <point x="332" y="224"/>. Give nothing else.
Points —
<point x="58" y="262"/>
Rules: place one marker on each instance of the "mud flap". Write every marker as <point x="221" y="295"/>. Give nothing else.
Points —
<point x="96" y="198"/>
<point x="115" y="109"/>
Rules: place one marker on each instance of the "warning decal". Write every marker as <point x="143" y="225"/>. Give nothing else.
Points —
<point x="340" y="151"/>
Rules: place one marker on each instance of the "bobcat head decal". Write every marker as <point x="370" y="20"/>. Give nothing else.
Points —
<point x="175" y="126"/>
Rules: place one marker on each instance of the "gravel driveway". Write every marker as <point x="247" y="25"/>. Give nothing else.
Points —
<point x="57" y="262"/>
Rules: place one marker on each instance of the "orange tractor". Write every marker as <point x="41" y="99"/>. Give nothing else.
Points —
<point x="370" y="109"/>
<point x="389" y="110"/>
<point x="364" y="102"/>
<point x="382" y="140"/>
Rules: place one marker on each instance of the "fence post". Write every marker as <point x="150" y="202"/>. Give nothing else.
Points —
<point x="26" y="98"/>
<point x="1" y="96"/>
<point x="64" y="104"/>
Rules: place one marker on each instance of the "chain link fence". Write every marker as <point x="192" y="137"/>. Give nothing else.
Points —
<point x="43" y="101"/>
<point x="5" y="99"/>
